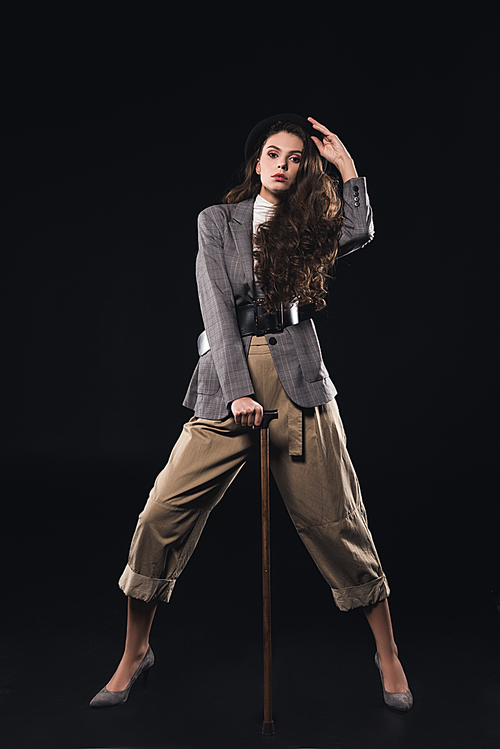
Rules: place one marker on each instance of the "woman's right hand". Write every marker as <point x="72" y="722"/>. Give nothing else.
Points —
<point x="247" y="412"/>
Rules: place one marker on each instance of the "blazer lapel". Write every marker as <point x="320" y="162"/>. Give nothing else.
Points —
<point x="241" y="226"/>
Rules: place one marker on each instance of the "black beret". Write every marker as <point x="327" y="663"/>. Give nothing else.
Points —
<point x="263" y="127"/>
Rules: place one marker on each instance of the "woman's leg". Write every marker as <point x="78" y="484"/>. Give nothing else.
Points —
<point x="322" y="495"/>
<point x="379" y="619"/>
<point x="139" y="620"/>
<point x="203" y="463"/>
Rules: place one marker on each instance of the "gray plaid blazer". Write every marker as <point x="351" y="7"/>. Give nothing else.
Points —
<point x="224" y="274"/>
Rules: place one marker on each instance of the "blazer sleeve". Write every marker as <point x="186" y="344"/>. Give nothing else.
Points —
<point x="218" y="309"/>
<point x="358" y="228"/>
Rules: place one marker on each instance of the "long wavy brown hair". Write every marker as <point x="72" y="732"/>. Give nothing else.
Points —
<point x="296" y="248"/>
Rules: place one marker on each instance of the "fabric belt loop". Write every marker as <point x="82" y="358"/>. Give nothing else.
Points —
<point x="294" y="430"/>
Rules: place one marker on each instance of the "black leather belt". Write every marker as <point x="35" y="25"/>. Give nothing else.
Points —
<point x="254" y="320"/>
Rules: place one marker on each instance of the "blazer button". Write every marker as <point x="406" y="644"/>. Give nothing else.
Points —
<point x="273" y="341"/>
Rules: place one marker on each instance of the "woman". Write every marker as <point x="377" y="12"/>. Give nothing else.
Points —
<point x="261" y="271"/>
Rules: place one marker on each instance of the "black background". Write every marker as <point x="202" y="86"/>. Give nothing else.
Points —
<point x="121" y="122"/>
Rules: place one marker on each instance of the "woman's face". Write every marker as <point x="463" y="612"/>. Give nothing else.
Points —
<point x="278" y="165"/>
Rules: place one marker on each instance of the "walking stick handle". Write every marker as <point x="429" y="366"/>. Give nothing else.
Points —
<point x="267" y="417"/>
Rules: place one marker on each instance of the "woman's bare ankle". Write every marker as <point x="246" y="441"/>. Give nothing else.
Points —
<point x="394" y="676"/>
<point x="127" y="667"/>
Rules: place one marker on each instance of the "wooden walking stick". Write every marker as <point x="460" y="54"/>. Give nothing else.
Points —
<point x="268" y="723"/>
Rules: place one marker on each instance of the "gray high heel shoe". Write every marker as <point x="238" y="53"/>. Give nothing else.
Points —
<point x="402" y="701"/>
<point x="104" y="698"/>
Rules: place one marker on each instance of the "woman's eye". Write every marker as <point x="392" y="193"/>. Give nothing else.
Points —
<point x="274" y="155"/>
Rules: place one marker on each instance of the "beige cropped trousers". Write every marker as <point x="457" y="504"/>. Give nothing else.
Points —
<point x="315" y="477"/>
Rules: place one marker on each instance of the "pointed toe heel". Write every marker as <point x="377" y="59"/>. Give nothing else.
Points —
<point x="401" y="701"/>
<point x="105" y="698"/>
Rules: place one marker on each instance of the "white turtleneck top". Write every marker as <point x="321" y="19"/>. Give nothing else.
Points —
<point x="262" y="212"/>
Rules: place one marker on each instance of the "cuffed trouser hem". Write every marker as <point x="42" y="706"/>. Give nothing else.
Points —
<point x="361" y="595"/>
<point x="145" y="588"/>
